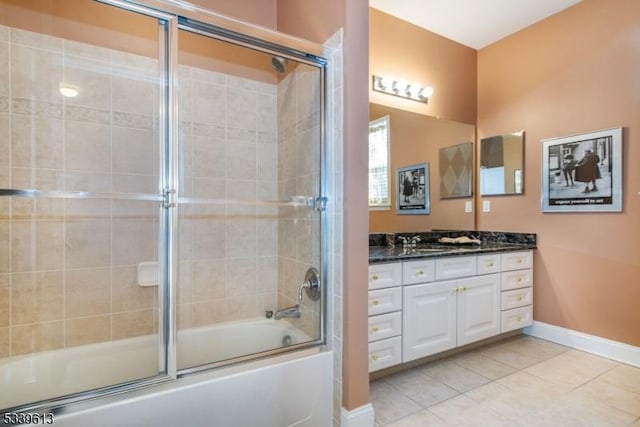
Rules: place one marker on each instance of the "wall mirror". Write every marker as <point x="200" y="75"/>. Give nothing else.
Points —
<point x="502" y="164"/>
<point x="417" y="138"/>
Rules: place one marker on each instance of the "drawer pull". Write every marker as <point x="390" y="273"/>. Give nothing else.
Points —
<point x="374" y="277"/>
<point x="519" y="298"/>
<point x="519" y="279"/>
<point x="518" y="318"/>
<point x="490" y="265"/>
<point x="420" y="272"/>
<point x="375" y="302"/>
<point x="464" y="289"/>
<point x="375" y="329"/>
<point x="374" y="357"/>
<point x="519" y="261"/>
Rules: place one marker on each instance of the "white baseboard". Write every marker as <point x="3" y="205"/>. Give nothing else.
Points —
<point x="359" y="417"/>
<point x="610" y="349"/>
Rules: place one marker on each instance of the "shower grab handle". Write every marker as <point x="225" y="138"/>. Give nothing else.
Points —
<point x="311" y="284"/>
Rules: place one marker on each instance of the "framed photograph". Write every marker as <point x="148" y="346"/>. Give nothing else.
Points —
<point x="412" y="189"/>
<point x="456" y="171"/>
<point x="583" y="173"/>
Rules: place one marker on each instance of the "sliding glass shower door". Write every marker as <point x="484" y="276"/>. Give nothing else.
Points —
<point x="249" y="219"/>
<point x="80" y="156"/>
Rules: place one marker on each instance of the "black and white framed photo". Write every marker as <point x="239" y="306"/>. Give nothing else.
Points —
<point x="583" y="173"/>
<point x="412" y="189"/>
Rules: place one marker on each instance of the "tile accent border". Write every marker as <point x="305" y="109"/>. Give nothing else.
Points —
<point x="604" y="347"/>
<point x="359" y="417"/>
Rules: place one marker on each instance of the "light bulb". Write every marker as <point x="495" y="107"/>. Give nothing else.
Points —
<point x="68" y="91"/>
<point x="385" y="82"/>
<point x="426" y="92"/>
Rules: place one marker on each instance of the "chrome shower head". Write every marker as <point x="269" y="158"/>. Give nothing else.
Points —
<point x="278" y="63"/>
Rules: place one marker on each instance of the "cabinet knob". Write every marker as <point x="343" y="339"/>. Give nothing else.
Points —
<point x="375" y="302"/>
<point x="375" y="329"/>
<point x="519" y="261"/>
<point x="374" y="357"/>
<point x="420" y="272"/>
<point x="519" y="298"/>
<point x="464" y="289"/>
<point x="519" y="279"/>
<point x="490" y="265"/>
<point x="374" y="277"/>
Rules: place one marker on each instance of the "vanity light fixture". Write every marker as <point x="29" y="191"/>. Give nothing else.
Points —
<point x="398" y="87"/>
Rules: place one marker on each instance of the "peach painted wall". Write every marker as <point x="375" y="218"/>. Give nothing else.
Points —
<point x="406" y="51"/>
<point x="574" y="72"/>
<point x="316" y="21"/>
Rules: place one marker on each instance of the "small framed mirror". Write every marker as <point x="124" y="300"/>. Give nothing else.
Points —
<point x="502" y="164"/>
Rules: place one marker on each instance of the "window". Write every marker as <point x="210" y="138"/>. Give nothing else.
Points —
<point x="379" y="164"/>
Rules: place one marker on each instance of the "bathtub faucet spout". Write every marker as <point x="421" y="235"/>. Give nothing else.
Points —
<point x="288" y="312"/>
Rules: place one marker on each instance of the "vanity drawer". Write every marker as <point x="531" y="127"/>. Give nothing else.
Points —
<point x="455" y="266"/>
<point x="418" y="271"/>
<point x="385" y="300"/>
<point x="517" y="298"/>
<point x="517" y="279"/>
<point x="488" y="264"/>
<point x="385" y="326"/>
<point x="385" y="275"/>
<point x="517" y="318"/>
<point x="385" y="353"/>
<point x="517" y="260"/>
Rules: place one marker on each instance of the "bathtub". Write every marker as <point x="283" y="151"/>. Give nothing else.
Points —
<point x="289" y="389"/>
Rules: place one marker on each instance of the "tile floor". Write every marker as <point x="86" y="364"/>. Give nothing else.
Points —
<point x="522" y="381"/>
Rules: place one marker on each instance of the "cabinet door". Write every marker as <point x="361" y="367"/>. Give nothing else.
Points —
<point x="428" y="319"/>
<point x="478" y="308"/>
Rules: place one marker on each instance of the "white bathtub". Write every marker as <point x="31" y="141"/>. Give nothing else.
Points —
<point x="291" y="389"/>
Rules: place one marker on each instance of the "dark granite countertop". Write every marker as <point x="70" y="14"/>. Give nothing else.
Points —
<point x="429" y="247"/>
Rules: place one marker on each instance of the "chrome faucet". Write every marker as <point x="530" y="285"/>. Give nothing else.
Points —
<point x="293" y="311"/>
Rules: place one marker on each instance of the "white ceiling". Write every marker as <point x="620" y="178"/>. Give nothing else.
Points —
<point x="474" y="23"/>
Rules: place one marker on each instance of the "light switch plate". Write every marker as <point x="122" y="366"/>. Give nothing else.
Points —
<point x="486" y="206"/>
<point x="468" y="206"/>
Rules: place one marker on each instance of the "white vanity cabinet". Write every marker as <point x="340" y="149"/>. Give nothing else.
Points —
<point x="442" y="315"/>
<point x="517" y="290"/>
<point x="385" y="315"/>
<point x="423" y="307"/>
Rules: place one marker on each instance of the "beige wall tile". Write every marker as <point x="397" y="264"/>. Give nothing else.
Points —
<point x="208" y="312"/>
<point x="90" y="77"/>
<point x="36" y="142"/>
<point x="5" y="77"/>
<point x="207" y="107"/>
<point x="87" y="292"/>
<point x="5" y="298"/>
<point x="133" y="150"/>
<point x="209" y="280"/>
<point x="87" y="146"/>
<point x="36" y="297"/>
<point x="241" y="277"/>
<point x="209" y="156"/>
<point x="241" y="308"/>
<point x="35" y="74"/>
<point x="5" y="349"/>
<point x="87" y="330"/>
<point x="133" y="241"/>
<point x="132" y="324"/>
<point x="127" y="295"/>
<point x="5" y="247"/>
<point x="36" y="337"/>
<point x="88" y="244"/>
<point x="135" y="94"/>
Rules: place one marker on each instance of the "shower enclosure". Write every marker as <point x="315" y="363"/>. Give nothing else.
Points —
<point x="161" y="200"/>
